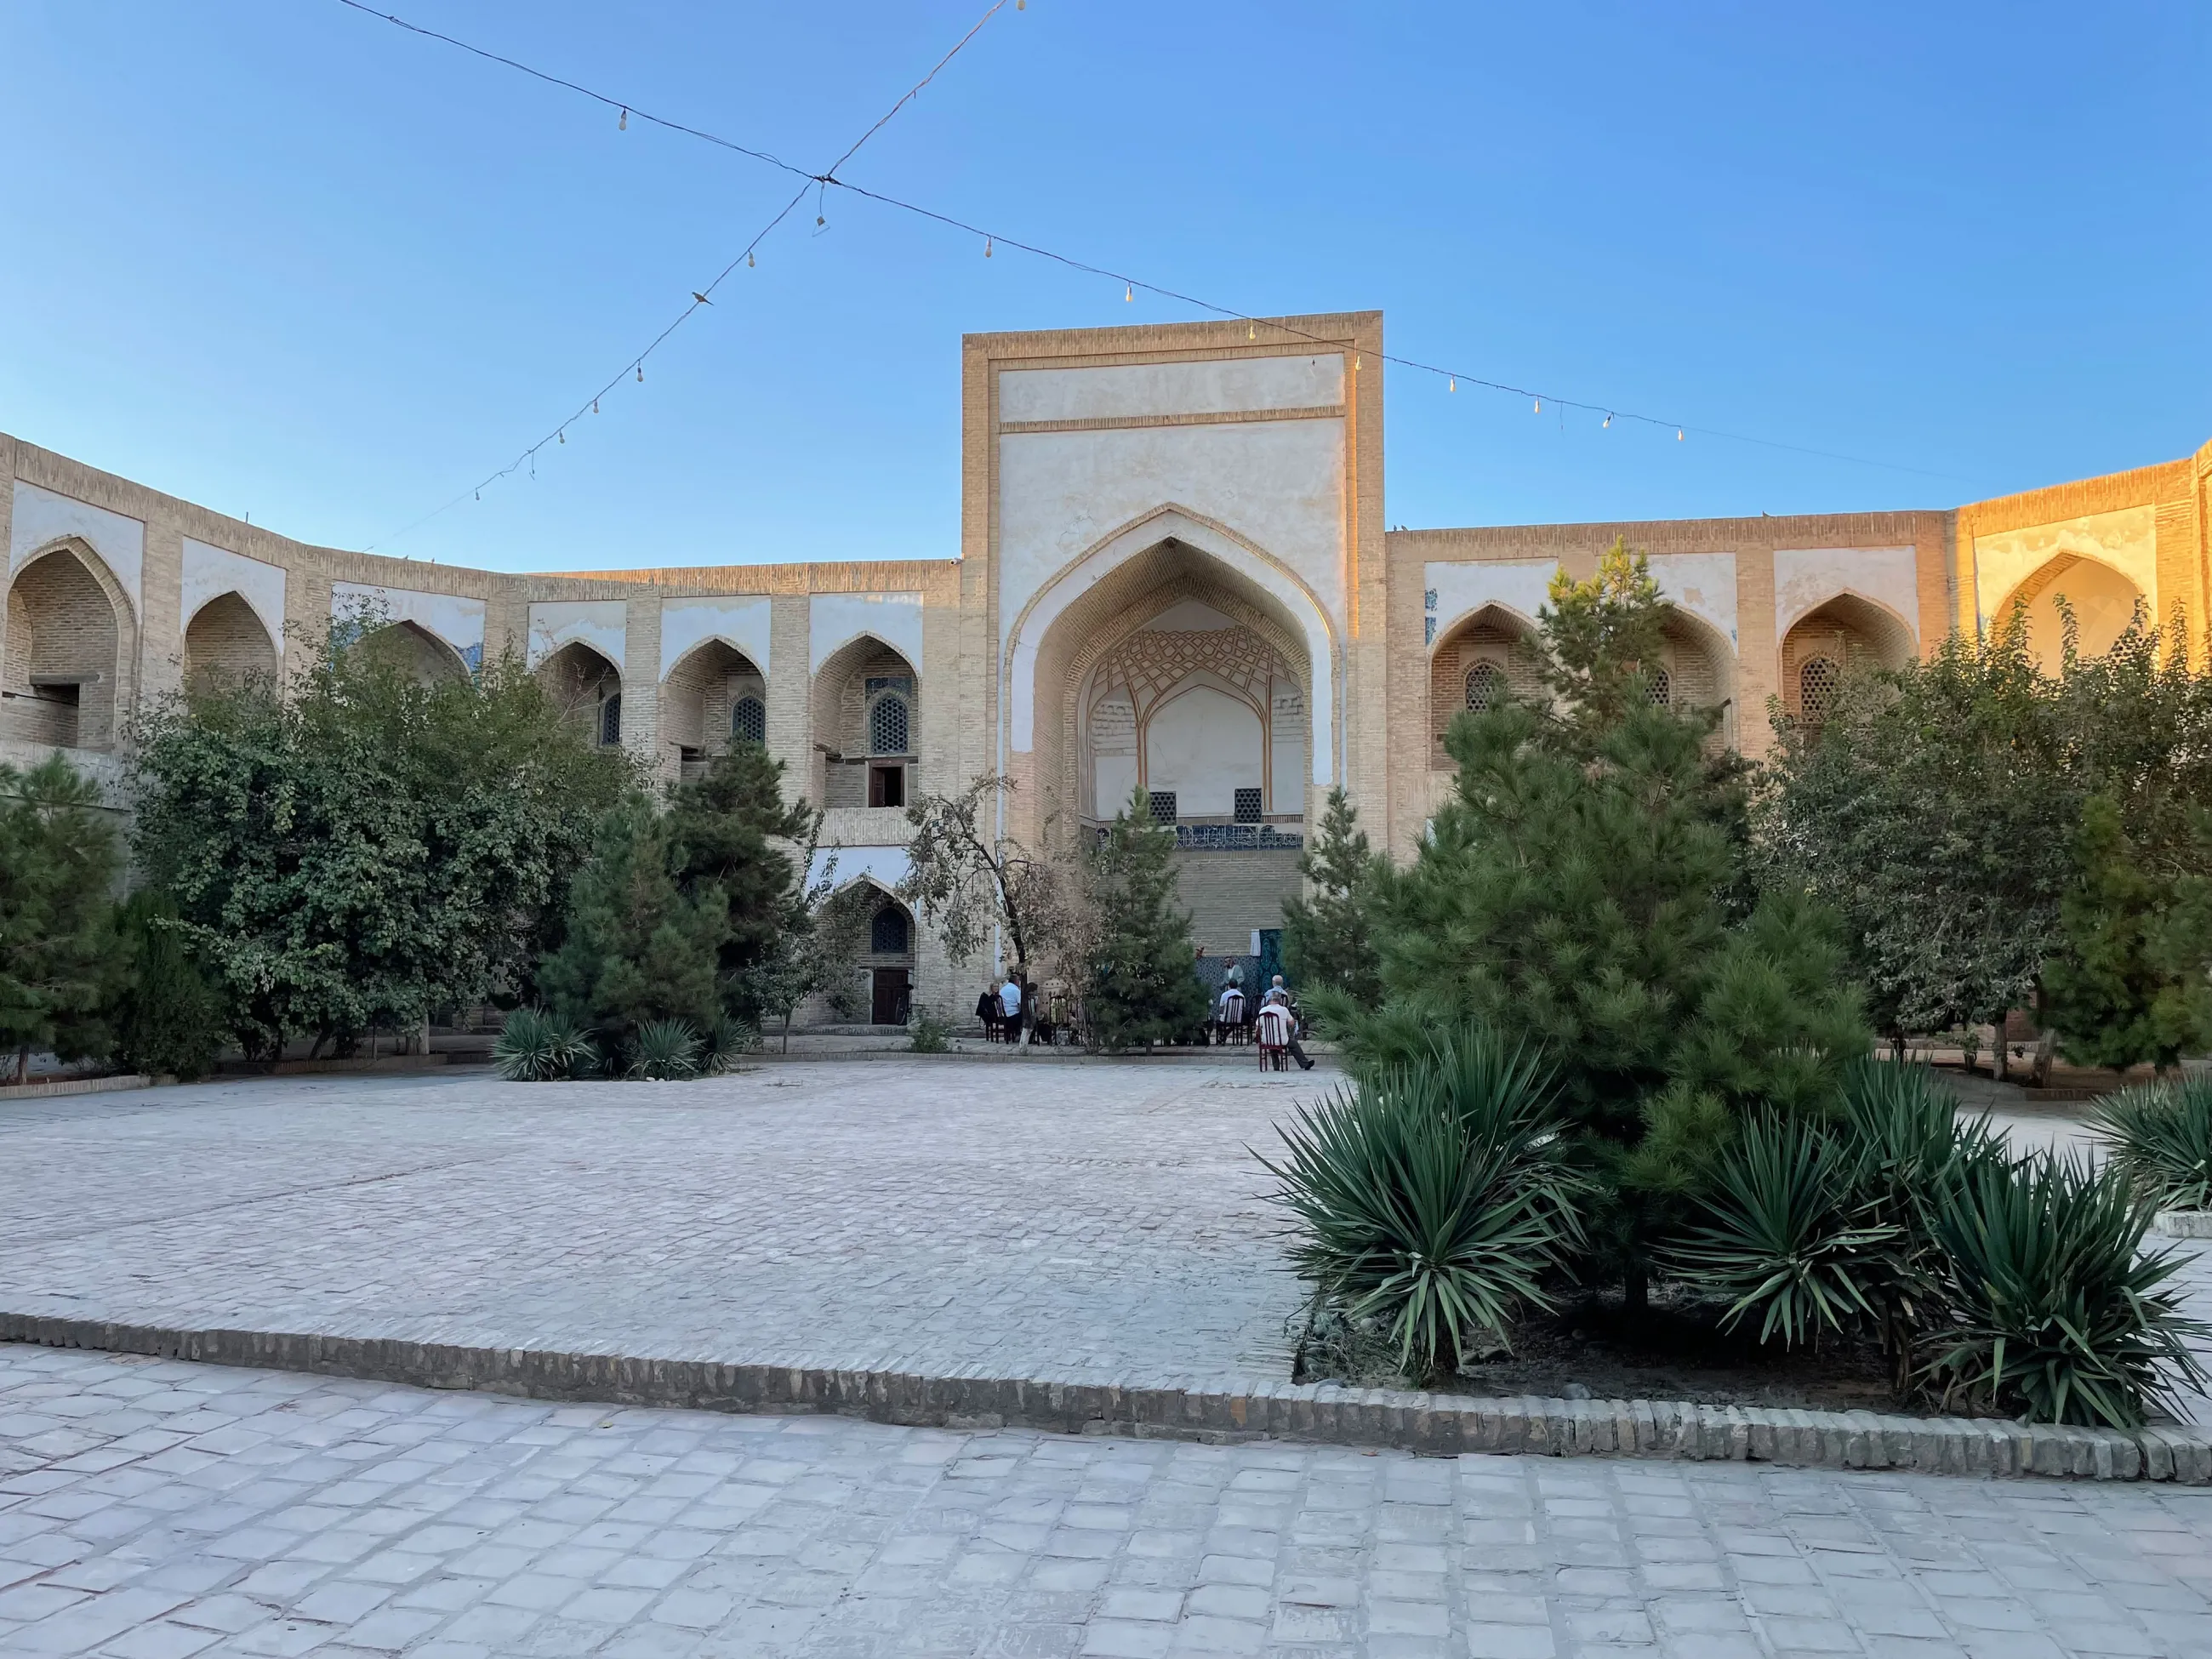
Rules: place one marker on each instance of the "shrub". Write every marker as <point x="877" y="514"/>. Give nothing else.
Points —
<point x="535" y="1047"/>
<point x="666" y="1050"/>
<point x="725" y="1039"/>
<point x="1431" y="1198"/>
<point x="2056" y="1312"/>
<point x="2161" y="1137"/>
<point x="1789" y="1237"/>
<point x="930" y="1034"/>
<point x="169" y="1019"/>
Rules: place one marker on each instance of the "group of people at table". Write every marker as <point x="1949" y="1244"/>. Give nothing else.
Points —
<point x="1273" y="1020"/>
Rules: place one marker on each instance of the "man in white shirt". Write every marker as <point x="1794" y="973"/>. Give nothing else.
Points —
<point x="1278" y="997"/>
<point x="1010" y="1004"/>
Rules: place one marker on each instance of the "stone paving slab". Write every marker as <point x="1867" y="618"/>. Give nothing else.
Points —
<point x="153" y="1509"/>
<point x="1082" y="1223"/>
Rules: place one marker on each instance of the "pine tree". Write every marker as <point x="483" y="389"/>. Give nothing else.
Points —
<point x="638" y="948"/>
<point x="724" y="828"/>
<point x="170" y="1018"/>
<point x="1144" y="986"/>
<point x="62" y="958"/>
<point x="1328" y="946"/>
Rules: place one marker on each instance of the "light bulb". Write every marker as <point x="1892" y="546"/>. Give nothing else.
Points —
<point x="564" y="435"/>
<point x="641" y="373"/>
<point x="1677" y="434"/>
<point x="749" y="259"/>
<point x="1129" y="294"/>
<point x="1454" y="384"/>
<point x="1539" y="405"/>
<point x="595" y="406"/>
<point x="1251" y="330"/>
<point x="1607" y="421"/>
<point x="986" y="248"/>
<point x="622" y="125"/>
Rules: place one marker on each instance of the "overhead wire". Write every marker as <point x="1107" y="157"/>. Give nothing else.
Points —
<point x="991" y="239"/>
<point x="700" y="297"/>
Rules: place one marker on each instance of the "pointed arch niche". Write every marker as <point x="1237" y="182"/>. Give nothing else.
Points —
<point x="1842" y="634"/>
<point x="1177" y="676"/>
<point x="866" y="712"/>
<point x="714" y="696"/>
<point x="414" y="650"/>
<point x="2102" y="599"/>
<point x="587" y="690"/>
<point x="1492" y="653"/>
<point x="71" y="637"/>
<point x="227" y="644"/>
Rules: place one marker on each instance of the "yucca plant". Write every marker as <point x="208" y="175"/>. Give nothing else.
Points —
<point x="1433" y="1198"/>
<point x="1787" y="1236"/>
<point x="1909" y="1148"/>
<point x="533" y="1047"/>
<point x="2161" y="1139"/>
<point x="2056" y="1312"/>
<point x="666" y="1050"/>
<point x="726" y="1039"/>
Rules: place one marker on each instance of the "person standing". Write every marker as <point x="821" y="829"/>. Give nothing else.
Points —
<point x="987" y="1010"/>
<point x="1279" y="997"/>
<point x="1009" y="1006"/>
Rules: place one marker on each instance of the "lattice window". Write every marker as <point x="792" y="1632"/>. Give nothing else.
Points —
<point x="1163" y="803"/>
<point x="1486" y="687"/>
<point x="887" y="724"/>
<point x="749" y="720"/>
<point x="610" y="721"/>
<point x="887" y="933"/>
<point x="1660" y="687"/>
<point x="1247" y="806"/>
<point x="1818" y="682"/>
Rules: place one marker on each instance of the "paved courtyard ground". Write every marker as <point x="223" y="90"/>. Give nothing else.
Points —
<point x="1073" y="1221"/>
<point x="155" y="1510"/>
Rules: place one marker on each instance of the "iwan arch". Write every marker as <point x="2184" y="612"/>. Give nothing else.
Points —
<point x="1172" y="576"/>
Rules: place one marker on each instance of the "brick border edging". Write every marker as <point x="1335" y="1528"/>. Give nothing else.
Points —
<point x="75" y="1085"/>
<point x="1203" y="1409"/>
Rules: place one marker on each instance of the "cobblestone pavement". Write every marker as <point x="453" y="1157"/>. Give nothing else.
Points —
<point x="1086" y="1223"/>
<point x="154" y="1509"/>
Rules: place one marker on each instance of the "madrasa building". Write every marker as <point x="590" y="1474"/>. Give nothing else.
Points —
<point x="1173" y="576"/>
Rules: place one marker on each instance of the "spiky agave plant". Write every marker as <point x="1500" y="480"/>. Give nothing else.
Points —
<point x="2056" y="1312"/>
<point x="1431" y="1198"/>
<point x="533" y="1047"/>
<point x="726" y="1039"/>
<point x="1909" y="1148"/>
<point x="666" y="1050"/>
<point x="2161" y="1139"/>
<point x="1786" y="1235"/>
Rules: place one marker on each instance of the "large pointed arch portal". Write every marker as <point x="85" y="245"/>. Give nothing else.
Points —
<point x="1050" y="643"/>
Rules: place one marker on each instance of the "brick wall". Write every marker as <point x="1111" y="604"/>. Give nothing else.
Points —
<point x="1229" y="894"/>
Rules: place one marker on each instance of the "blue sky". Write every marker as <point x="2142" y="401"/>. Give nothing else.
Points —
<point x="281" y="258"/>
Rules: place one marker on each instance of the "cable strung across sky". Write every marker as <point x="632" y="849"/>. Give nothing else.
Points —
<point x="828" y="180"/>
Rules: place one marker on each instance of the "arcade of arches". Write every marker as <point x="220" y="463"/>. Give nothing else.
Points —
<point x="1171" y="583"/>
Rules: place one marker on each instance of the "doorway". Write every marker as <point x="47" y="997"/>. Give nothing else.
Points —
<point x="892" y="996"/>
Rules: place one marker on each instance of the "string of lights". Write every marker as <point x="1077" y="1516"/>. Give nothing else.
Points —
<point x="991" y="239"/>
<point x="815" y="182"/>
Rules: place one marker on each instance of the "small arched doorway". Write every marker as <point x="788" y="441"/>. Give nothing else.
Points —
<point x="63" y="658"/>
<point x="587" y="690"/>
<point x="889" y="960"/>
<point x="227" y="645"/>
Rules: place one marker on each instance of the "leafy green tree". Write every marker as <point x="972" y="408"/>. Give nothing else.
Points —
<point x="1604" y="637"/>
<point x="1932" y="811"/>
<point x="816" y="951"/>
<point x="638" y="948"/>
<point x="169" y="1019"/>
<point x="2130" y="984"/>
<point x="364" y="848"/>
<point x="733" y="829"/>
<point x="62" y="958"/>
<point x="1144" y="986"/>
<point x="1328" y="942"/>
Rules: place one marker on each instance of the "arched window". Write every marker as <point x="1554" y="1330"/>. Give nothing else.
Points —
<point x="887" y="933"/>
<point x="887" y="724"/>
<point x="749" y="720"/>
<point x="1818" y="682"/>
<point x="610" y="721"/>
<point x="1485" y="686"/>
<point x="1660" y="688"/>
